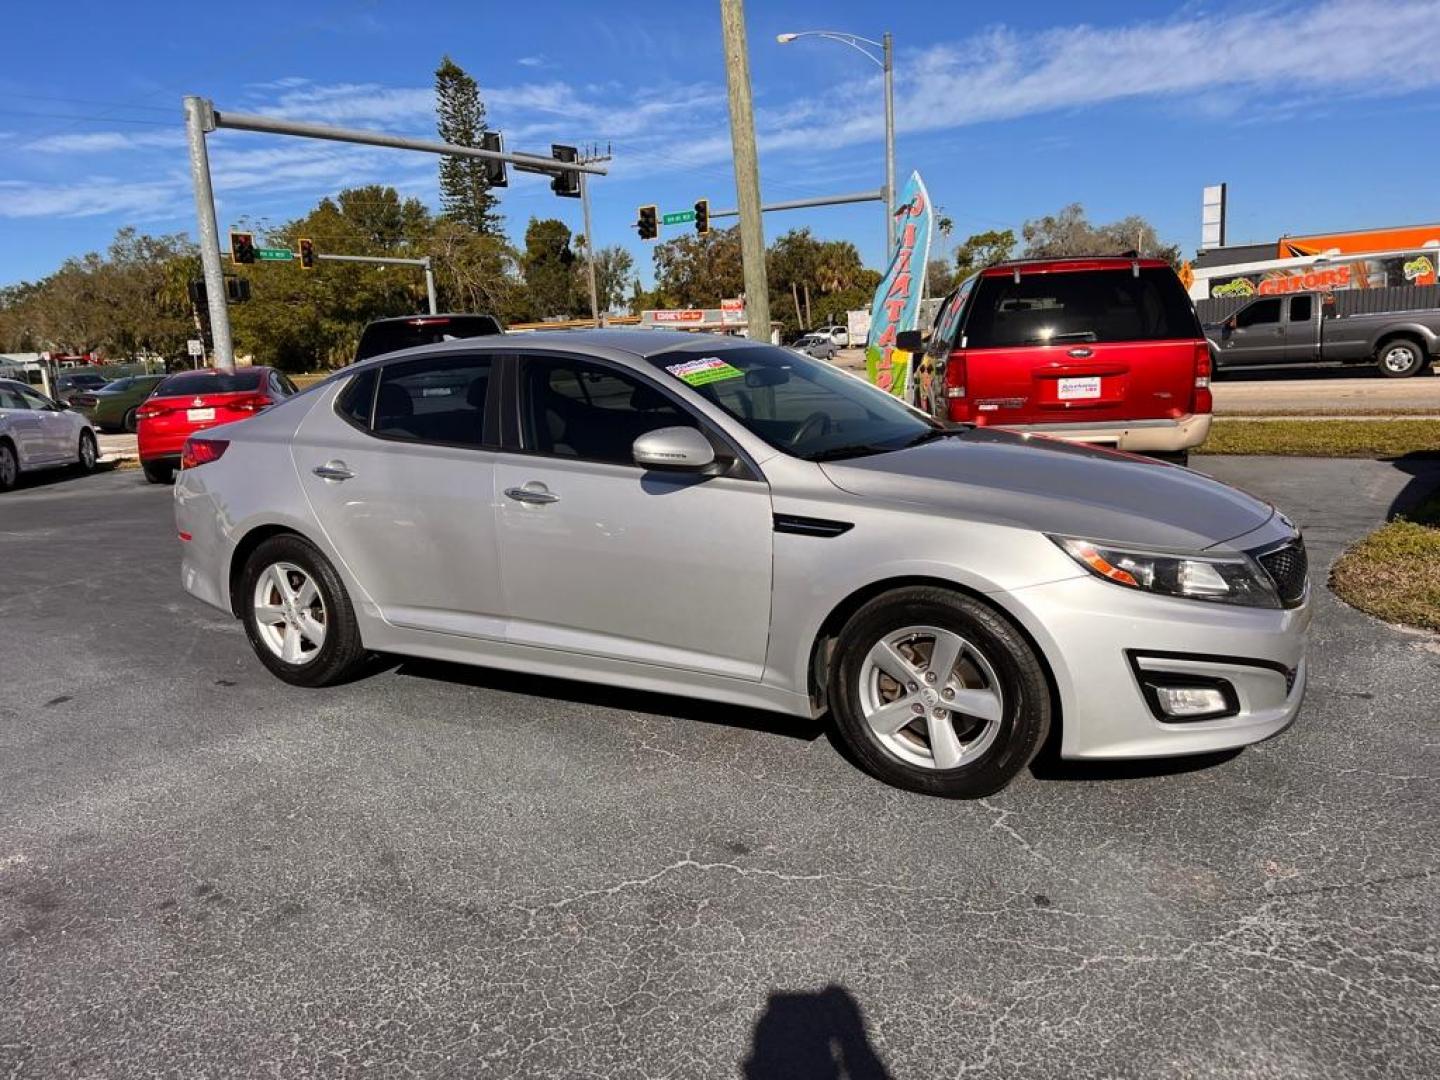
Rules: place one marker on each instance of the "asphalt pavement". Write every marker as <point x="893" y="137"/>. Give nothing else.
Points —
<point x="448" y="871"/>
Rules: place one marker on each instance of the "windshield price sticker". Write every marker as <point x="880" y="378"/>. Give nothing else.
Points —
<point x="705" y="370"/>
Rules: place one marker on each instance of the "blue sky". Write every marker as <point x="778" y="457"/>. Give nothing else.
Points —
<point x="1319" y="116"/>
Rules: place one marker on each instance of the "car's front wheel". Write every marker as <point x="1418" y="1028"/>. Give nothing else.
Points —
<point x="938" y="693"/>
<point x="297" y="614"/>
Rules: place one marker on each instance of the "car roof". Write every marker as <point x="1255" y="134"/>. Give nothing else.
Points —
<point x="615" y="343"/>
<point x="1059" y="264"/>
<point x="422" y="317"/>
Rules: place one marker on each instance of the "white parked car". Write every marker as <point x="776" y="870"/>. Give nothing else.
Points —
<point x="838" y="336"/>
<point x="37" y="433"/>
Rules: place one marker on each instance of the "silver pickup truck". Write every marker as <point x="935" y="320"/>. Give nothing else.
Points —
<point x="1298" y="329"/>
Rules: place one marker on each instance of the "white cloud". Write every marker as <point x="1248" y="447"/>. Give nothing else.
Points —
<point x="95" y="142"/>
<point x="93" y="197"/>
<point x="533" y="61"/>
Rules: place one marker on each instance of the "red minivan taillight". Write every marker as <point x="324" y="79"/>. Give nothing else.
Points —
<point x="201" y="451"/>
<point x="958" y="405"/>
<point x="1204" y="401"/>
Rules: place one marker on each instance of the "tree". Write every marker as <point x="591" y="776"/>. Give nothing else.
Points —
<point x="939" y="277"/>
<point x="699" y="271"/>
<point x="1070" y="233"/>
<point x="614" y="276"/>
<point x="981" y="250"/>
<point x="464" y="187"/>
<point x="547" y="265"/>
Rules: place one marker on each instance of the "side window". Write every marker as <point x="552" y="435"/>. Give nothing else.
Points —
<point x="10" y="398"/>
<point x="286" y="385"/>
<point x="1259" y="313"/>
<point x="575" y="409"/>
<point x="1301" y="308"/>
<point x="357" y="399"/>
<point x="948" y="322"/>
<point x="439" y="400"/>
<point x="31" y="400"/>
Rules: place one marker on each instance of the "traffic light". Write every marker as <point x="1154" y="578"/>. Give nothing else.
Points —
<point x="237" y="289"/>
<point x="649" y="222"/>
<point x="702" y="216"/>
<point x="307" y="254"/>
<point x="494" y="170"/>
<point x="242" y="247"/>
<point x="567" y="182"/>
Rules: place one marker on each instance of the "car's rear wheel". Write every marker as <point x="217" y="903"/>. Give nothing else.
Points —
<point x="1400" y="358"/>
<point x="87" y="454"/>
<point x="938" y="693"/>
<point x="297" y="614"/>
<point x="158" y="473"/>
<point x="132" y="421"/>
<point x="9" y="466"/>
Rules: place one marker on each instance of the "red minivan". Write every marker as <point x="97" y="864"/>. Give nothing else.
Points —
<point x="191" y="401"/>
<point x="1103" y="349"/>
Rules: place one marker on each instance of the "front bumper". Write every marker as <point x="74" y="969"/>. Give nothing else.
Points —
<point x="1102" y="640"/>
<point x="1136" y="436"/>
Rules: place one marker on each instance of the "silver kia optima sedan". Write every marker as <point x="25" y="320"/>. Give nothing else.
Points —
<point x="708" y="516"/>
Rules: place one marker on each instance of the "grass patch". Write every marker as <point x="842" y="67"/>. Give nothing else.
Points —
<point x="1394" y="573"/>
<point x="1324" y="438"/>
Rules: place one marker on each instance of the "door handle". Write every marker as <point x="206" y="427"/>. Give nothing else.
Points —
<point x="535" y="496"/>
<point x="332" y="470"/>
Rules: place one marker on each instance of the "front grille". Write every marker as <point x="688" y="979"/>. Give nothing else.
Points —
<point x="1288" y="569"/>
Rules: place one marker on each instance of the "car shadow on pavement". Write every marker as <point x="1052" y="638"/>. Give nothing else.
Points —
<point x="43" y="478"/>
<point x="1423" y="469"/>
<point x="819" y="1036"/>
<point x="611" y="697"/>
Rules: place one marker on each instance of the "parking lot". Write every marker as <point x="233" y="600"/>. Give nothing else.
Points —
<point x="204" y="871"/>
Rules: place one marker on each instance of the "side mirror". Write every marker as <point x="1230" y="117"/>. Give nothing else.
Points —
<point x="680" y="448"/>
<point x="910" y="341"/>
<point x="1231" y="323"/>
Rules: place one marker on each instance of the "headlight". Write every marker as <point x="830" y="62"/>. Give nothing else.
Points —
<point x="1221" y="579"/>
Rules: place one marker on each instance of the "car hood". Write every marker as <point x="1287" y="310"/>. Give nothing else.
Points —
<point x="1056" y="487"/>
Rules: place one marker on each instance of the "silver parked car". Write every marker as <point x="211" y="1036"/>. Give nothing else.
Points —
<point x="735" y="521"/>
<point x="38" y="433"/>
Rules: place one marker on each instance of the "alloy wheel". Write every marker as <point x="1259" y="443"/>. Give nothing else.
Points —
<point x="930" y="697"/>
<point x="87" y="453"/>
<point x="290" y="615"/>
<point x="1399" y="358"/>
<point x="9" y="468"/>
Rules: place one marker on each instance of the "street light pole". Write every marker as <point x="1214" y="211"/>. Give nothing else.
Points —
<point x="886" y="63"/>
<point x="889" y="66"/>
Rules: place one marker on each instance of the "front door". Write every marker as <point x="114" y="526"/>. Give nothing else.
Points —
<point x="52" y="428"/>
<point x="601" y="557"/>
<point x="401" y="478"/>
<point x="1258" y="336"/>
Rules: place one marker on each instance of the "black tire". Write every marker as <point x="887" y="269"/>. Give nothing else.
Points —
<point x="9" y="466"/>
<point x="342" y="653"/>
<point x="87" y="453"/>
<point x="158" y="473"/>
<point x="1400" y="358"/>
<point x="1023" y="684"/>
<point x="132" y="422"/>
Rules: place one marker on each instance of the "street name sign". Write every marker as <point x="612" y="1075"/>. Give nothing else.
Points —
<point x="274" y="254"/>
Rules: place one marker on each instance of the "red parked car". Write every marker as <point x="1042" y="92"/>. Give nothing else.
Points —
<point x="192" y="401"/>
<point x="1103" y="349"/>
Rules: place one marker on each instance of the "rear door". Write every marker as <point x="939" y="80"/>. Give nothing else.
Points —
<point x="53" y="427"/>
<point x="1302" y="316"/>
<point x="22" y="424"/>
<point x="1080" y="346"/>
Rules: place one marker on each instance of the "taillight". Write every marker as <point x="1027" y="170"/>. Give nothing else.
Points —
<point x="201" y="451"/>
<point x="149" y="411"/>
<point x="955" y="379"/>
<point x="1203" y="402"/>
<point x="254" y="403"/>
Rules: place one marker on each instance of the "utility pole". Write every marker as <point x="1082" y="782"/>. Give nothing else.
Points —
<point x="747" y="168"/>
<point x="199" y="119"/>
<point x="586" y="159"/>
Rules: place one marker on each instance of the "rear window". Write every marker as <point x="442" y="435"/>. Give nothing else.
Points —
<point x="395" y="334"/>
<point x="1080" y="306"/>
<point x="209" y="382"/>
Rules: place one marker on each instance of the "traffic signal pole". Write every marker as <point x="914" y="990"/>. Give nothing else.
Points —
<point x="387" y="260"/>
<point x="200" y="119"/>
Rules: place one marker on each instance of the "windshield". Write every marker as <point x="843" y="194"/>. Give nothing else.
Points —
<point x="799" y="405"/>
<point x="391" y="335"/>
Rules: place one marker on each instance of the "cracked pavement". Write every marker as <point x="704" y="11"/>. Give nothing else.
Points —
<point x="444" y="870"/>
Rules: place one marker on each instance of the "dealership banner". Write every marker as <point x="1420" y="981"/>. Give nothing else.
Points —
<point x="896" y="306"/>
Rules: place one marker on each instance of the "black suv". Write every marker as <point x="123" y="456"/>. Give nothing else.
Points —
<point x="407" y="331"/>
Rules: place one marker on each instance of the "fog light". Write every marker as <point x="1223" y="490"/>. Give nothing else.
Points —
<point x="1186" y="701"/>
